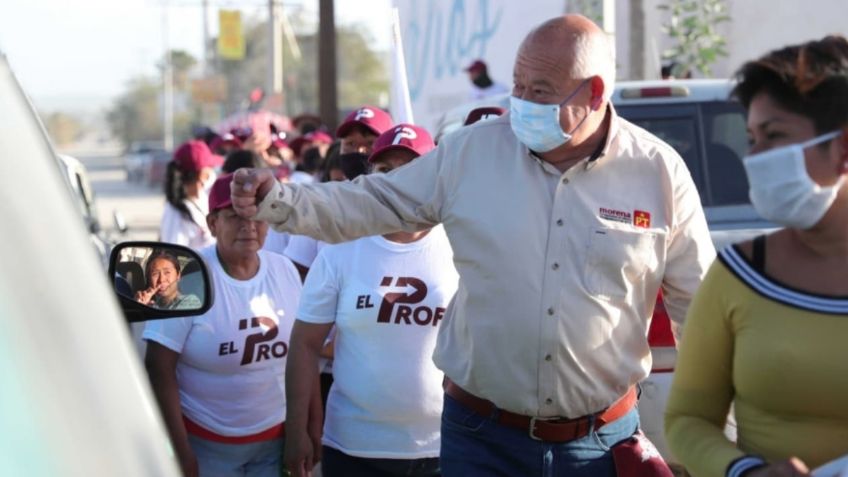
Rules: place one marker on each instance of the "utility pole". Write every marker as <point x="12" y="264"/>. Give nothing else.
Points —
<point x="167" y="86"/>
<point x="205" y="49"/>
<point x="275" y="49"/>
<point x="637" y="40"/>
<point x="608" y="9"/>
<point x="327" y="92"/>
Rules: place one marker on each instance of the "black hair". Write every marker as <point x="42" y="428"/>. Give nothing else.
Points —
<point x="157" y="255"/>
<point x="242" y="158"/>
<point x="809" y="79"/>
<point x="174" y="191"/>
<point x="352" y="165"/>
<point x="331" y="160"/>
<point x="307" y="128"/>
<point x="312" y="160"/>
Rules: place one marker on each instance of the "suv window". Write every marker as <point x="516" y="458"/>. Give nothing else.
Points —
<point x="711" y="139"/>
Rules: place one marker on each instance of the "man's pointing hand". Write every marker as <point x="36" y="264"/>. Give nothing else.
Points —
<point x="249" y="188"/>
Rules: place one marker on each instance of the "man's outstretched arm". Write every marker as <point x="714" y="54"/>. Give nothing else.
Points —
<point x="410" y="198"/>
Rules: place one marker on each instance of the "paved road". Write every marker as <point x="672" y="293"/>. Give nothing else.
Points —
<point x="140" y="205"/>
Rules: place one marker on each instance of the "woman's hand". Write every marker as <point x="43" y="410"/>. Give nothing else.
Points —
<point x="328" y="351"/>
<point x="299" y="454"/>
<point x="188" y="463"/>
<point x="792" y="467"/>
<point x="144" y="296"/>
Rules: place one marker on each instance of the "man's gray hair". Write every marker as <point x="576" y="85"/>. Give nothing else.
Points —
<point x="594" y="55"/>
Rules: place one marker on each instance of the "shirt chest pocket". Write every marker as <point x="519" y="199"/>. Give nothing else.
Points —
<point x="617" y="260"/>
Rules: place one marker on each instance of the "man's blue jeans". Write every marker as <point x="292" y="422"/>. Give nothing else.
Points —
<point x="473" y="445"/>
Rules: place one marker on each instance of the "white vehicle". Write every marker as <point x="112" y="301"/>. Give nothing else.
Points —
<point x="74" y="399"/>
<point x="83" y="195"/>
<point x="138" y="158"/>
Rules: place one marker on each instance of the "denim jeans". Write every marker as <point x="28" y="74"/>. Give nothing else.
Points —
<point x="473" y="445"/>
<point x="257" y="459"/>
<point x="335" y="463"/>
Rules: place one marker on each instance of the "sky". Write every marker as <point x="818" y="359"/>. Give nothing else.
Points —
<point x="78" y="54"/>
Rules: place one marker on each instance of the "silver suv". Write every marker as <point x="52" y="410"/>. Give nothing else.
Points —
<point x="707" y="129"/>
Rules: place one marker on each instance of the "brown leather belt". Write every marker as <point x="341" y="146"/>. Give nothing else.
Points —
<point x="542" y="428"/>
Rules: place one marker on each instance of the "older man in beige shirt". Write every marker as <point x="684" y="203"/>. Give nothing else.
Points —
<point x="565" y="220"/>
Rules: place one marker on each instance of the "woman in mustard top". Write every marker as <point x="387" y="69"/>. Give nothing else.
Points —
<point x="768" y="330"/>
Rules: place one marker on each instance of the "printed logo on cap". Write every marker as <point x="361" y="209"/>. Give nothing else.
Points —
<point x="404" y="133"/>
<point x="364" y="113"/>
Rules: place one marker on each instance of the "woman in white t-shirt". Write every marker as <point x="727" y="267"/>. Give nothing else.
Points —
<point x="220" y="377"/>
<point x="386" y="297"/>
<point x="187" y="181"/>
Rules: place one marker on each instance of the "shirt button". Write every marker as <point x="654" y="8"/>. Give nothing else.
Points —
<point x="550" y="311"/>
<point x="547" y="357"/>
<point x="565" y="180"/>
<point x="560" y="222"/>
<point x="273" y="206"/>
<point x="555" y="266"/>
<point x="549" y="401"/>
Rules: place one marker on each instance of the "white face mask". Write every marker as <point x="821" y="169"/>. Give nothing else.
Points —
<point x="782" y="190"/>
<point x="537" y="125"/>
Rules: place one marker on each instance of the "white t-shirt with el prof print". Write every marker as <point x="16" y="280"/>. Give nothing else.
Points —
<point x="231" y="370"/>
<point x="387" y="301"/>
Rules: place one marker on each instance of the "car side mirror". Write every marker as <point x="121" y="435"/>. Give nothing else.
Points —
<point x="155" y="280"/>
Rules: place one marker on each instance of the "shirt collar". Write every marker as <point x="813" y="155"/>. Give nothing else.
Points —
<point x="599" y="153"/>
<point x="604" y="146"/>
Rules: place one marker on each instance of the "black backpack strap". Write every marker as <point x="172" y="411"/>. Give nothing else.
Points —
<point x="758" y="254"/>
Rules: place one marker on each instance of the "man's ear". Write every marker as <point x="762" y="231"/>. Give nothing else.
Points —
<point x="598" y="89"/>
<point x="210" y="222"/>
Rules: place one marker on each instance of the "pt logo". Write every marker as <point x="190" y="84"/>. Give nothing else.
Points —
<point x="396" y="306"/>
<point x="256" y="346"/>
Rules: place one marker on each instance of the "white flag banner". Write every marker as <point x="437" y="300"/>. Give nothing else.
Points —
<point x="400" y="103"/>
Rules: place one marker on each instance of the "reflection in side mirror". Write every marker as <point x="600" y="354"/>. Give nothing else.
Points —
<point x="156" y="280"/>
<point x="120" y="223"/>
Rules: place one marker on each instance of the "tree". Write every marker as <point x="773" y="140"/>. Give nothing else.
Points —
<point x="362" y="74"/>
<point x="135" y="115"/>
<point x="63" y="128"/>
<point x="692" y="27"/>
<point x="182" y="62"/>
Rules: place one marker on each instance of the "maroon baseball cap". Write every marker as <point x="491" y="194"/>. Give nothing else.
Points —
<point x="373" y="119"/>
<point x="478" y="65"/>
<point x="485" y="112"/>
<point x="279" y="142"/>
<point x="299" y="143"/>
<point x="319" y="136"/>
<point x="225" y="140"/>
<point x="242" y="133"/>
<point x="194" y="155"/>
<point x="403" y="136"/>
<point x="219" y="195"/>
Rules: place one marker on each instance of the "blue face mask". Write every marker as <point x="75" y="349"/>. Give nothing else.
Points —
<point x="537" y="125"/>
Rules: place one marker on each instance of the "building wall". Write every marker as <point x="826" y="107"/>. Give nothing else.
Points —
<point x="756" y="27"/>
